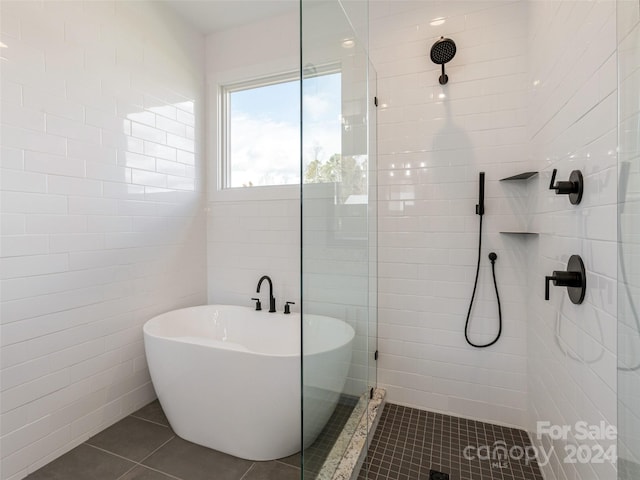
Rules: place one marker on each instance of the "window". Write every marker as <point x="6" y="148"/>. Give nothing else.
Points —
<point x="261" y="130"/>
<point x="261" y="141"/>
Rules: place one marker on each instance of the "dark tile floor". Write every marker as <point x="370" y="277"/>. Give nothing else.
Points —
<point x="409" y="443"/>
<point x="406" y="446"/>
<point x="143" y="446"/>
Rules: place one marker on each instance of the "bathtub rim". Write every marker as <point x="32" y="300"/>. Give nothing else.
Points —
<point x="148" y="325"/>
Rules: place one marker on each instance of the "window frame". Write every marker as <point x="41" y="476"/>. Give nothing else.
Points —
<point x="225" y="91"/>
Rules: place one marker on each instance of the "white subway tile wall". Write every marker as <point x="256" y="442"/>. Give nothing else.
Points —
<point x="250" y="231"/>
<point x="103" y="195"/>
<point x="102" y="212"/>
<point x="572" y="125"/>
<point x="628" y="17"/>
<point x="247" y="240"/>
<point x="433" y="141"/>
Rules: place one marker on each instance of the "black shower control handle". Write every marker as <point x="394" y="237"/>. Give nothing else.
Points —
<point x="574" y="278"/>
<point x="553" y="179"/>
<point x="562" y="188"/>
<point x="573" y="187"/>
<point x="562" y="279"/>
<point x="258" y="304"/>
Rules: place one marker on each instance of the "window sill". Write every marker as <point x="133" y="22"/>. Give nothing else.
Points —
<point x="256" y="194"/>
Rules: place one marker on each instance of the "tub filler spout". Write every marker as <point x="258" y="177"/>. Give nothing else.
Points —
<point x="272" y="300"/>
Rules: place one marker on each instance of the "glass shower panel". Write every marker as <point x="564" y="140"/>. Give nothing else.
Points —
<point x="372" y="213"/>
<point x="338" y="232"/>
<point x="628" y="27"/>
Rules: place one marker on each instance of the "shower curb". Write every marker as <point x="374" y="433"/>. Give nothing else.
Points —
<point x="347" y="466"/>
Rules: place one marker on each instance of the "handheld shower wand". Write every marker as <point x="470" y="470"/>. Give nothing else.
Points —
<point x="480" y="205"/>
<point x="492" y="257"/>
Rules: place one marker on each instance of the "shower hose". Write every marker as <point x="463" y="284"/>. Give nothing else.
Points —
<point x="493" y="257"/>
<point x="632" y="305"/>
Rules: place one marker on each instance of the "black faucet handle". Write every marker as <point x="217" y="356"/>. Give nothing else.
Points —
<point x="287" y="308"/>
<point x="562" y="279"/>
<point x="574" y="278"/>
<point x="258" y="304"/>
<point x="547" y="279"/>
<point x="553" y="179"/>
<point x="573" y="187"/>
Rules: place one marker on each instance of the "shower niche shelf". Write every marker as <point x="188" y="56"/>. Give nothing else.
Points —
<point x="520" y="176"/>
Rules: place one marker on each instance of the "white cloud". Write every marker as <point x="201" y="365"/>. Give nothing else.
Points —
<point x="264" y="152"/>
<point x="316" y="106"/>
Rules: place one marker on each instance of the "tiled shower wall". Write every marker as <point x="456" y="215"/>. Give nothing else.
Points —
<point x="102" y="198"/>
<point x="628" y="22"/>
<point x="432" y="142"/>
<point x="572" y="348"/>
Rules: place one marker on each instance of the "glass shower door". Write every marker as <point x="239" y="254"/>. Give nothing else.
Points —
<point x="338" y="232"/>
<point x="628" y="26"/>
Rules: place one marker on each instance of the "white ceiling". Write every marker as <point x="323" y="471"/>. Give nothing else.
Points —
<point x="210" y="16"/>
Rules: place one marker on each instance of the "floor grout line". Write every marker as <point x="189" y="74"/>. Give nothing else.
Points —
<point x="128" y="471"/>
<point x="160" y="471"/>
<point x="150" y="421"/>
<point x="154" y="451"/>
<point x="279" y="460"/>
<point x="247" y="472"/>
<point x="136" y="463"/>
<point x="111" y="453"/>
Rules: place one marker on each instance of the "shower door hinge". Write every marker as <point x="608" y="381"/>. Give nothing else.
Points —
<point x="371" y="394"/>
<point x="375" y="101"/>
<point x="375" y="355"/>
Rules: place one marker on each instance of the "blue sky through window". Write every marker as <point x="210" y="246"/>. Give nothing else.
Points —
<point x="265" y="129"/>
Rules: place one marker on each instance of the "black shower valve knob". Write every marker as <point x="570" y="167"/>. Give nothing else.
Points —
<point x="573" y="187"/>
<point x="561" y="278"/>
<point x="574" y="278"/>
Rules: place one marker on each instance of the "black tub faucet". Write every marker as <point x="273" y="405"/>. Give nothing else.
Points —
<point x="272" y="300"/>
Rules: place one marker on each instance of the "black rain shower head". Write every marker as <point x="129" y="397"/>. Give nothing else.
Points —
<point x="443" y="52"/>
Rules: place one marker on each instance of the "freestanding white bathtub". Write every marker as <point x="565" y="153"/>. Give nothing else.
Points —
<point x="228" y="377"/>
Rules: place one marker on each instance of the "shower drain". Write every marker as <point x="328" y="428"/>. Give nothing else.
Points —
<point x="435" y="475"/>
